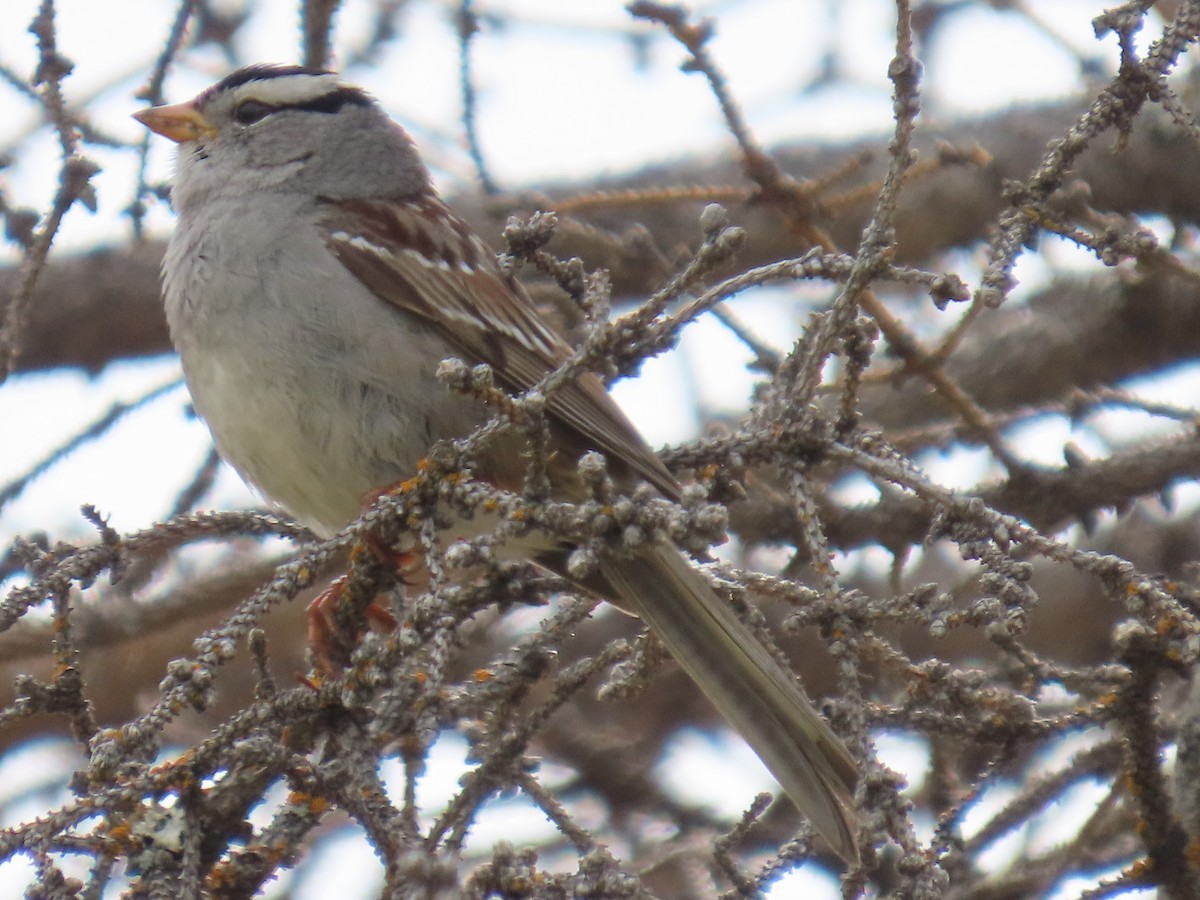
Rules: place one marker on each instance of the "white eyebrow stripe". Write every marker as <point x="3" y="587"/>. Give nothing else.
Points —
<point x="287" y="90"/>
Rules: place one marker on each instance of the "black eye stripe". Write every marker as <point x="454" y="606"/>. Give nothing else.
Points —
<point x="251" y="110"/>
<point x="334" y="101"/>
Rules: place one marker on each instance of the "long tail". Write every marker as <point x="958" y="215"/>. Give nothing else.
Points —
<point x="746" y="685"/>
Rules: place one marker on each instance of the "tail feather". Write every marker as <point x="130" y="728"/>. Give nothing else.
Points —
<point x="746" y="685"/>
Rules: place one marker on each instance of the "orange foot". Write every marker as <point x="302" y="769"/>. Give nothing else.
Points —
<point x="328" y="640"/>
<point x="331" y="645"/>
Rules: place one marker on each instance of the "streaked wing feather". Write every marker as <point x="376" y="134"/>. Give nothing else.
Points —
<point x="418" y="256"/>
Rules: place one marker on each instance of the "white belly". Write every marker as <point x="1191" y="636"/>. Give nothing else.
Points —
<point x="314" y="389"/>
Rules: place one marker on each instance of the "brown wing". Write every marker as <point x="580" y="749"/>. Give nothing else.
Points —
<point x="418" y="256"/>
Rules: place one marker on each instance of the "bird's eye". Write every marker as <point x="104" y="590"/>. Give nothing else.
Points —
<point x="250" y="111"/>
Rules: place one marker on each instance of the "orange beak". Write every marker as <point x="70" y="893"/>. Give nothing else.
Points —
<point x="179" y="123"/>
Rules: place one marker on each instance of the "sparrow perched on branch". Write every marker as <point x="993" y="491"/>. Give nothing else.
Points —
<point x="313" y="285"/>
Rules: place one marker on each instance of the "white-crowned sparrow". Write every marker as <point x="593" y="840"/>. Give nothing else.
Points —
<point x="313" y="285"/>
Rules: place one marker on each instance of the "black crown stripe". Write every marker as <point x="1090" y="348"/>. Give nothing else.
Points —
<point x="331" y="102"/>
<point x="262" y="72"/>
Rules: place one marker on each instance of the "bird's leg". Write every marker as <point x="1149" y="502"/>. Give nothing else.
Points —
<point x="326" y="634"/>
<point x="326" y="629"/>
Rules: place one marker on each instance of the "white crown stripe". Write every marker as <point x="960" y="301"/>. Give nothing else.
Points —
<point x="287" y="90"/>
